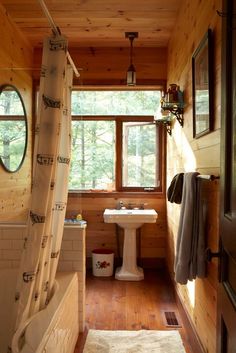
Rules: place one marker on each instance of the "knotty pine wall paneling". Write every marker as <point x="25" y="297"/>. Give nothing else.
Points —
<point x="108" y="66"/>
<point x="152" y="239"/>
<point x="186" y="154"/>
<point x="15" y="52"/>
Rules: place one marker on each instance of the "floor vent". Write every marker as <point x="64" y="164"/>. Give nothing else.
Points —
<point x="171" y="319"/>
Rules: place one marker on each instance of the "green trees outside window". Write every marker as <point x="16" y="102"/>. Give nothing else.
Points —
<point x="93" y="155"/>
<point x="115" y="143"/>
<point x="139" y="155"/>
<point x="13" y="128"/>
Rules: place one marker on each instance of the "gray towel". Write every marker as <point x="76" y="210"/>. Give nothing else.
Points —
<point x="190" y="247"/>
<point x="174" y="192"/>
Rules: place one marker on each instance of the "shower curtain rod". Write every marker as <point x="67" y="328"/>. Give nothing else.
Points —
<point x="56" y="30"/>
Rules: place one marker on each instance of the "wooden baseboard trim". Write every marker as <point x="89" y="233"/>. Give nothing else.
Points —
<point x="192" y="335"/>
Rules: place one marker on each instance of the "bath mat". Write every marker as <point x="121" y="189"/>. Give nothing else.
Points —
<point x="143" y="341"/>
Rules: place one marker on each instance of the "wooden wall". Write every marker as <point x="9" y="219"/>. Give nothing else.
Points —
<point x="100" y="66"/>
<point x="108" y="66"/>
<point x="15" y="52"/>
<point x="152" y="240"/>
<point x="185" y="154"/>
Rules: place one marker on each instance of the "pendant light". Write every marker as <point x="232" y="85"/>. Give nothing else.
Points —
<point x="131" y="72"/>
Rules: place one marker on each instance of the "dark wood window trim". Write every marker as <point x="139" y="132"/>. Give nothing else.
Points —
<point x="128" y="191"/>
<point x="12" y="117"/>
<point x="160" y="157"/>
<point x="117" y="194"/>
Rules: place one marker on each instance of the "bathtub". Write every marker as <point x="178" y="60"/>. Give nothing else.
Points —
<point x="54" y="329"/>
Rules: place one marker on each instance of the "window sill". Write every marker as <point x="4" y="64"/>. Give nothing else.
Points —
<point x="116" y="194"/>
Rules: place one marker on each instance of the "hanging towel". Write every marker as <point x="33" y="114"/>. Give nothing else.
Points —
<point x="190" y="247"/>
<point x="174" y="192"/>
<point x="198" y="258"/>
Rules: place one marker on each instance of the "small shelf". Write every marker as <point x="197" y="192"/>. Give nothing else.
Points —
<point x="171" y="107"/>
<point x="166" y="121"/>
<point x="176" y="109"/>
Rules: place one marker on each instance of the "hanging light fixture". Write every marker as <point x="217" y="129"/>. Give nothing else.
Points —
<point x="131" y="72"/>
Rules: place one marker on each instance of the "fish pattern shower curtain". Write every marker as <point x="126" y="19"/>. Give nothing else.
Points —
<point x="50" y="184"/>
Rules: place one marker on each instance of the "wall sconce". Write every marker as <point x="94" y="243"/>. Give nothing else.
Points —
<point x="164" y="117"/>
<point x="171" y="107"/>
<point x="131" y="72"/>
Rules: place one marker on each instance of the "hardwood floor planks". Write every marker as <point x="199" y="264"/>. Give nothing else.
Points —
<point x="126" y="305"/>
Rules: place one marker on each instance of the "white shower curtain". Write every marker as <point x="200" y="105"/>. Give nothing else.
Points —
<point x="50" y="181"/>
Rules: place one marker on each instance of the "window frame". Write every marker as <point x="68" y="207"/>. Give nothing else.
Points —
<point x="161" y="147"/>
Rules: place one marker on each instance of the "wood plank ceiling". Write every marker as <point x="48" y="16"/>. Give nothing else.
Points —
<point x="97" y="23"/>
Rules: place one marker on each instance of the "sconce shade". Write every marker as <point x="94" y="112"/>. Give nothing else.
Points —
<point x="131" y="76"/>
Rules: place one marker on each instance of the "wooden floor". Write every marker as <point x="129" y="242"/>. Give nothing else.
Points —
<point x="123" y="305"/>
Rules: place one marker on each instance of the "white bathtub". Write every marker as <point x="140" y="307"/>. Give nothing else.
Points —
<point x="52" y="330"/>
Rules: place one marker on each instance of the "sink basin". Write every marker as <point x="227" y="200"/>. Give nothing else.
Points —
<point x="130" y="220"/>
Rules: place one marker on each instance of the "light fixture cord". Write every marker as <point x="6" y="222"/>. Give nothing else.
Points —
<point x="131" y="50"/>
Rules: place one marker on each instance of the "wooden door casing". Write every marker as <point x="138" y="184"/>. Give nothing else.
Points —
<point x="227" y="286"/>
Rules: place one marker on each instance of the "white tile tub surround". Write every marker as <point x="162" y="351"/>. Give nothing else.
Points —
<point x="11" y="243"/>
<point x="72" y="257"/>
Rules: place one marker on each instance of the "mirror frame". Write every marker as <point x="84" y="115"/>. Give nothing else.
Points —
<point x="26" y="129"/>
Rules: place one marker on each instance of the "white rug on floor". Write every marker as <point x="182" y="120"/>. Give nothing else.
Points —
<point x="143" y="341"/>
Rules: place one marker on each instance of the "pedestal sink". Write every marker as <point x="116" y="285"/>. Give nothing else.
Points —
<point x="130" y="220"/>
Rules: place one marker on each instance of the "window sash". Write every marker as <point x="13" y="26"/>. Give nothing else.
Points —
<point x="118" y="148"/>
<point x="126" y="130"/>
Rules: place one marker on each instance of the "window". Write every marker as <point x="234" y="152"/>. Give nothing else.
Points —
<point x="93" y="155"/>
<point x="105" y="103"/>
<point x="115" y="144"/>
<point x="139" y="155"/>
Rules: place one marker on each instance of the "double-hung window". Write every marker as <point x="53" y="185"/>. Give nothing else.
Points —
<point x="116" y="146"/>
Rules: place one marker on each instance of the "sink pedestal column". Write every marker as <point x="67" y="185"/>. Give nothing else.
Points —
<point x="129" y="271"/>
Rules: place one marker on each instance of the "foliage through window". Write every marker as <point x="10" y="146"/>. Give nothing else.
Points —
<point x="12" y="128"/>
<point x="93" y="154"/>
<point x="115" y="144"/>
<point x="139" y="154"/>
<point x="115" y="102"/>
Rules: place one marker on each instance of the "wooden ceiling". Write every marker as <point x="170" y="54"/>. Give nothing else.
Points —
<point x="97" y="23"/>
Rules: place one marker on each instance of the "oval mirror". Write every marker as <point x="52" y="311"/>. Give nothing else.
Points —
<point x="13" y="128"/>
